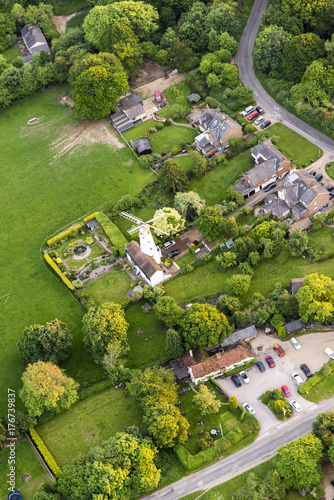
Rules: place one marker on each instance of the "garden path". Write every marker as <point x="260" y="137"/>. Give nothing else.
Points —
<point x="60" y="22"/>
<point x="181" y="124"/>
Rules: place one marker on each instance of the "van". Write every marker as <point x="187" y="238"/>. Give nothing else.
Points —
<point x="318" y="177"/>
<point x="247" y="111"/>
<point x="157" y="96"/>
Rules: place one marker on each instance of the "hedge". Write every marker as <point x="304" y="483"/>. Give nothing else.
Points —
<point x="90" y="217"/>
<point x="60" y="236"/>
<point x="58" y="271"/>
<point x="317" y="378"/>
<point x="48" y="458"/>
<point x="114" y="234"/>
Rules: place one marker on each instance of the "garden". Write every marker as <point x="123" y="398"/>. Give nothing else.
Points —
<point x="277" y="403"/>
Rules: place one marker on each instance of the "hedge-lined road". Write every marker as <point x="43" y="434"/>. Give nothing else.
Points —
<point x="247" y="76"/>
<point x="260" y="451"/>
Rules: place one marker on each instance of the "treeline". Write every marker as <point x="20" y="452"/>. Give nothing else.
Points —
<point x="294" y="53"/>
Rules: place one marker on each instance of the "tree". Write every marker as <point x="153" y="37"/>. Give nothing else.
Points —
<point x="271" y="486"/>
<point x="211" y="222"/>
<point x="167" y="310"/>
<point x="172" y="177"/>
<point x="238" y="284"/>
<point x="254" y="258"/>
<point x="41" y="495"/>
<point x="232" y="194"/>
<point x="315" y="298"/>
<point x="226" y="260"/>
<point x="199" y="164"/>
<point x="228" y="304"/>
<point x="50" y="342"/>
<point x="170" y="221"/>
<point x="46" y="387"/>
<point x="299" y="51"/>
<point x="223" y="19"/>
<point x="167" y="426"/>
<point x="105" y="331"/>
<point x="298" y="463"/>
<point x="7" y="29"/>
<point x="298" y="242"/>
<point x="202" y="326"/>
<point x="233" y="403"/>
<point x="206" y="401"/>
<point x="268" y="49"/>
<point x="174" y="345"/>
<point x="323" y="428"/>
<point x="189" y="204"/>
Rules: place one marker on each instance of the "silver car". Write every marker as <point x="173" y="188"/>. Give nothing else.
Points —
<point x="248" y="408"/>
<point x="295" y="406"/>
<point x="295" y="343"/>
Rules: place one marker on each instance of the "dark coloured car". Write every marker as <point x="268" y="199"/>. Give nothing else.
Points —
<point x="313" y="172"/>
<point x="270" y="361"/>
<point x="329" y="188"/>
<point x="235" y="379"/>
<point x="286" y="391"/>
<point x="259" y="110"/>
<point x="306" y="370"/>
<point x="331" y="196"/>
<point x="318" y="177"/>
<point x="173" y="253"/>
<point x="265" y="124"/>
<point x="332" y="483"/>
<point x="270" y="186"/>
<point x="260" y="366"/>
<point x="280" y="351"/>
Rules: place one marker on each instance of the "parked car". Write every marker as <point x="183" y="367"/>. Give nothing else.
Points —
<point x="270" y="186"/>
<point x="297" y="378"/>
<point x="173" y="253"/>
<point x="332" y="482"/>
<point x="260" y="366"/>
<point x="270" y="361"/>
<point x="313" y="172"/>
<point x="329" y="352"/>
<point x="157" y="96"/>
<point x="247" y="111"/>
<point x="330" y="187"/>
<point x="331" y="196"/>
<point x="306" y="370"/>
<point x="235" y="379"/>
<point x="248" y="408"/>
<point x="286" y="391"/>
<point x="169" y="244"/>
<point x="259" y="120"/>
<point x="265" y="124"/>
<point x="295" y="406"/>
<point x="280" y="351"/>
<point x="244" y="377"/>
<point x="260" y="110"/>
<point x="318" y="177"/>
<point x="295" y="343"/>
<point x="253" y="115"/>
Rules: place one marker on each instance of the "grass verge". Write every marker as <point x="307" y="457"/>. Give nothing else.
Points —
<point x="111" y="287"/>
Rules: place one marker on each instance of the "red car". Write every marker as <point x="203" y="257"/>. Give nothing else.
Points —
<point x="286" y="391"/>
<point x="252" y="115"/>
<point x="270" y="361"/>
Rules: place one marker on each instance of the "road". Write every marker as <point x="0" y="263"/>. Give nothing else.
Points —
<point x="248" y="77"/>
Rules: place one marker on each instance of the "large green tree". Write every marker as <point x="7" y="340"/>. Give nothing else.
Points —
<point x="211" y="222"/>
<point x="189" y="204"/>
<point x="50" y="342"/>
<point x="169" y="221"/>
<point x="46" y="387"/>
<point x="167" y="310"/>
<point x="298" y="463"/>
<point x="166" y="425"/>
<point x="174" y="344"/>
<point x="172" y="177"/>
<point x="268" y="49"/>
<point x="299" y="51"/>
<point x="315" y="298"/>
<point x="206" y="400"/>
<point x="297" y="243"/>
<point x="105" y="332"/>
<point x="238" y="284"/>
<point x="323" y="428"/>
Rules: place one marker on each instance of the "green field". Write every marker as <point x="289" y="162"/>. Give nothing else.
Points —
<point x="180" y="97"/>
<point x="88" y="423"/>
<point x="11" y="53"/>
<point x="66" y="7"/>
<point x="111" y="287"/>
<point x="330" y="169"/>
<point x="294" y="146"/>
<point x="77" y="21"/>
<point x="184" y="161"/>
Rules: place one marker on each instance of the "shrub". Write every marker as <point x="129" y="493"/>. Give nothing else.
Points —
<point x="104" y="262"/>
<point x="176" y="150"/>
<point x="77" y="284"/>
<point x="64" y="234"/>
<point x="114" y="234"/>
<point x="213" y="103"/>
<point x="281" y="332"/>
<point x="159" y="126"/>
<point x="317" y="378"/>
<point x="90" y="217"/>
<point x="125" y="303"/>
<point x="48" y="458"/>
<point x="89" y="240"/>
<point x="58" y="271"/>
<point x="94" y="265"/>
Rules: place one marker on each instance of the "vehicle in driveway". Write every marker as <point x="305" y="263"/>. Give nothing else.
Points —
<point x="270" y="186"/>
<point x="270" y="361"/>
<point x="295" y="406"/>
<point x="306" y="370"/>
<point x="286" y="391"/>
<point x="253" y="115"/>
<point x="259" y="120"/>
<point x="260" y="110"/>
<point x="318" y="177"/>
<point x="260" y="366"/>
<point x="329" y="352"/>
<point x="330" y="187"/>
<point x="295" y="343"/>
<point x="297" y="378"/>
<point x="248" y="408"/>
<point x="280" y="351"/>
<point x="173" y="253"/>
<point x="169" y="244"/>
<point x="235" y="379"/>
<point x="244" y="377"/>
<point x="247" y="111"/>
<point x="265" y="124"/>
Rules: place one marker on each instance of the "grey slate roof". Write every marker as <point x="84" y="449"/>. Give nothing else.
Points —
<point x="135" y="112"/>
<point x="179" y="368"/>
<point x="131" y="101"/>
<point x="146" y="263"/>
<point x="243" y="187"/>
<point x="194" y="97"/>
<point x="294" y="326"/>
<point x="267" y="151"/>
<point x="262" y="172"/>
<point x="121" y="121"/>
<point x="142" y="145"/>
<point x="271" y="201"/>
<point x="281" y="209"/>
<point x="34" y="39"/>
<point x="92" y="224"/>
<point x="245" y="333"/>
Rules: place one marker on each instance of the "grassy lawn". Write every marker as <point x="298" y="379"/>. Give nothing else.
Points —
<point x="26" y="463"/>
<point x="124" y="225"/>
<point x="150" y="346"/>
<point x="11" y="53"/>
<point x="213" y="186"/>
<point x="324" y="237"/>
<point x="164" y="140"/>
<point x="294" y="146"/>
<point x="75" y="264"/>
<point x="88" y="423"/>
<point x="66" y="7"/>
<point x="323" y="390"/>
<point x="77" y="21"/>
<point x="330" y="169"/>
<point x="182" y="95"/>
<point x="111" y="287"/>
<point x="192" y="496"/>
<point x="42" y="195"/>
<point x="188" y="258"/>
<point x="184" y="162"/>
<point x="97" y="251"/>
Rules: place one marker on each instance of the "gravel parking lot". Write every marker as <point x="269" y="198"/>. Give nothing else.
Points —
<point x="312" y="353"/>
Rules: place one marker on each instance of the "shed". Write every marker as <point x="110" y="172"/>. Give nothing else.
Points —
<point x="245" y="334"/>
<point x="294" y="326"/>
<point x="295" y="285"/>
<point x="179" y="368"/>
<point x="92" y="224"/>
<point x="229" y="244"/>
<point x="130" y="101"/>
<point x="142" y="146"/>
<point x="194" y="98"/>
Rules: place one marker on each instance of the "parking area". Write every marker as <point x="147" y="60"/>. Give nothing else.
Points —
<point x="312" y="353"/>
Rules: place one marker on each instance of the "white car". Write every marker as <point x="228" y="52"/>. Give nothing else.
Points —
<point x="244" y="377"/>
<point x="295" y="343"/>
<point x="169" y="244"/>
<point x="248" y="408"/>
<point x="259" y="120"/>
<point x="329" y="352"/>
<point x="247" y="111"/>
<point x="297" y="378"/>
<point x="295" y="406"/>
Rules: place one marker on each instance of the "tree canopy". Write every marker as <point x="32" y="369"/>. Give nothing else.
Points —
<point x="315" y="298"/>
<point x="169" y="221"/>
<point x="189" y="204"/>
<point x="206" y="400"/>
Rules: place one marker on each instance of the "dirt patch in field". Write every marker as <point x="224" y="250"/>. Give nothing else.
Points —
<point x="148" y="71"/>
<point x="60" y="22"/>
<point x="66" y="99"/>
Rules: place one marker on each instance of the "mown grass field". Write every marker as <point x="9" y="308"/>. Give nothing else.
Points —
<point x="111" y="287"/>
<point x="88" y="423"/>
<point x="330" y="169"/>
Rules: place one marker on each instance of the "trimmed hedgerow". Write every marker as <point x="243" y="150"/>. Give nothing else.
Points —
<point x="90" y="217"/>
<point x="48" y="458"/>
<point x="317" y="378"/>
<point x="114" y="234"/>
<point x="63" y="234"/>
<point x="58" y="271"/>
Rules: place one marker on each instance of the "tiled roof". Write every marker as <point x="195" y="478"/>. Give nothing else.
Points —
<point x="121" y="121"/>
<point x="130" y="101"/>
<point x="34" y="39"/>
<point x="280" y="209"/>
<point x="262" y="172"/>
<point x="142" y="145"/>
<point x="135" y="112"/>
<point x="243" y="187"/>
<point x="245" y="333"/>
<point x="294" y="325"/>
<point x="146" y="263"/>
<point x="302" y="223"/>
<point x="268" y="151"/>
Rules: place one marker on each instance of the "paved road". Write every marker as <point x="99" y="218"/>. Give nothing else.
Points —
<point x="260" y="451"/>
<point x="247" y="76"/>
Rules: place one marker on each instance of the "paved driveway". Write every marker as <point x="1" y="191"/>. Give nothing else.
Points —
<point x="312" y="353"/>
